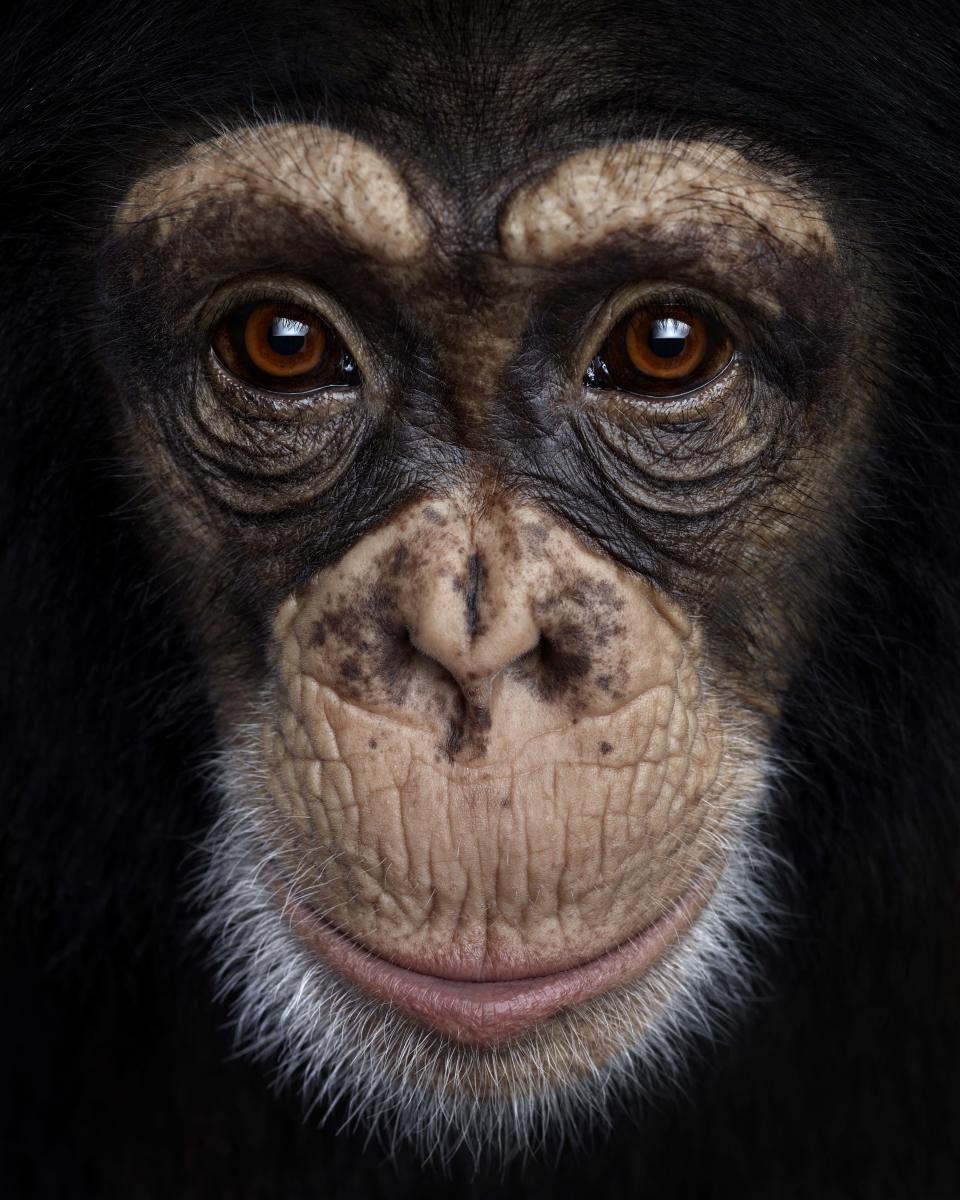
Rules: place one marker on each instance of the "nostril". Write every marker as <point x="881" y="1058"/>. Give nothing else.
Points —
<point x="392" y="651"/>
<point x="532" y="658"/>
<point x="558" y="662"/>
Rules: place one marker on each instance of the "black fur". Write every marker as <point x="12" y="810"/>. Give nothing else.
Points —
<point x="844" y="1082"/>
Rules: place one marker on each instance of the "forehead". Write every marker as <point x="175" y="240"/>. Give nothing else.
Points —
<point x="540" y="215"/>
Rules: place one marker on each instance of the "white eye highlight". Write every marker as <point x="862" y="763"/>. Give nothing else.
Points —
<point x="668" y="337"/>
<point x="287" y="335"/>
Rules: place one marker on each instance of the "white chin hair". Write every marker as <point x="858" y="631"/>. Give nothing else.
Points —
<point x="358" y="1061"/>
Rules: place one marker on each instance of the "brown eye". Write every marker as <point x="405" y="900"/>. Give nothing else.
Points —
<point x="661" y="349"/>
<point x="282" y="347"/>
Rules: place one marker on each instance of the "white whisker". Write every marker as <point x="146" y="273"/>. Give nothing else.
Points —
<point x="407" y="1084"/>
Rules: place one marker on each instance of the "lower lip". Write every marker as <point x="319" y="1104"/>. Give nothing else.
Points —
<point x="482" y="1014"/>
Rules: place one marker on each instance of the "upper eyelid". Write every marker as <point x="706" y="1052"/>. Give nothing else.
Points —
<point x="280" y="297"/>
<point x="298" y="309"/>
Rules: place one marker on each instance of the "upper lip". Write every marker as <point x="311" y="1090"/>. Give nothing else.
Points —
<point x="483" y="1012"/>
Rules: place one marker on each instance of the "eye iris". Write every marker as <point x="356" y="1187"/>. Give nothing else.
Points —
<point x="283" y="345"/>
<point x="665" y="345"/>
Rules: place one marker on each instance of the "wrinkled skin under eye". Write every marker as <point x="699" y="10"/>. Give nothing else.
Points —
<point x="661" y="350"/>
<point x="282" y="348"/>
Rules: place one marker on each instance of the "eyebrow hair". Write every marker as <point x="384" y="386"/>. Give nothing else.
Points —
<point x="597" y="193"/>
<point x="663" y="192"/>
<point x="347" y="183"/>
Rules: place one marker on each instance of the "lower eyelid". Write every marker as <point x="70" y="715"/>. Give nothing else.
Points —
<point x="250" y="400"/>
<point x="653" y="386"/>
<point x="690" y="404"/>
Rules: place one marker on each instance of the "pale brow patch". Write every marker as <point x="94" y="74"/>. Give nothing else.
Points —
<point x="613" y="189"/>
<point x="354" y="189"/>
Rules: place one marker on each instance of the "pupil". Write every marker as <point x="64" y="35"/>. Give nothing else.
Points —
<point x="668" y="337"/>
<point x="287" y="336"/>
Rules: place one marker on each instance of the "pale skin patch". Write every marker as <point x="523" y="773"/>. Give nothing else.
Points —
<point x="646" y="186"/>
<point x="579" y="203"/>
<point x="357" y="193"/>
<point x="569" y="818"/>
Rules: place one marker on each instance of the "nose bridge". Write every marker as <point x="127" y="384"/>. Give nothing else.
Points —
<point x="475" y="315"/>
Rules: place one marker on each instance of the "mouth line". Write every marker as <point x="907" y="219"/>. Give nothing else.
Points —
<point x="485" y="1012"/>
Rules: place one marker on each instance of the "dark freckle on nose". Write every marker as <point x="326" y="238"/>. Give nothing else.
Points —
<point x="566" y="660"/>
<point x="331" y="625"/>
<point x="535" y="533"/>
<point x="505" y="802"/>
<point x="350" y="668"/>
<point x="605" y="747"/>
<point x="607" y="594"/>
<point x="433" y="516"/>
<point x="398" y="561"/>
<point x="372" y="743"/>
<point x="476" y="572"/>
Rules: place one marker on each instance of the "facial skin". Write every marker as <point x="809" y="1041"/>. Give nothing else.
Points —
<point x="496" y="656"/>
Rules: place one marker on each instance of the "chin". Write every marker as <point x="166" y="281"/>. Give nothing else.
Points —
<point x="447" y="1059"/>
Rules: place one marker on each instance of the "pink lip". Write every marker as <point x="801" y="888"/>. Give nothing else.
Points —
<point x="483" y="1013"/>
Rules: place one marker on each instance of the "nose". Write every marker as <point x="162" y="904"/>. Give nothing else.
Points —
<point x="485" y="627"/>
<point x="474" y="619"/>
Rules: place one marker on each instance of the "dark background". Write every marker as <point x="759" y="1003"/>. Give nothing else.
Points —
<point x="115" y="1065"/>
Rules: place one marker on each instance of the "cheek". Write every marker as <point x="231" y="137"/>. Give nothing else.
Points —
<point x="587" y="787"/>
